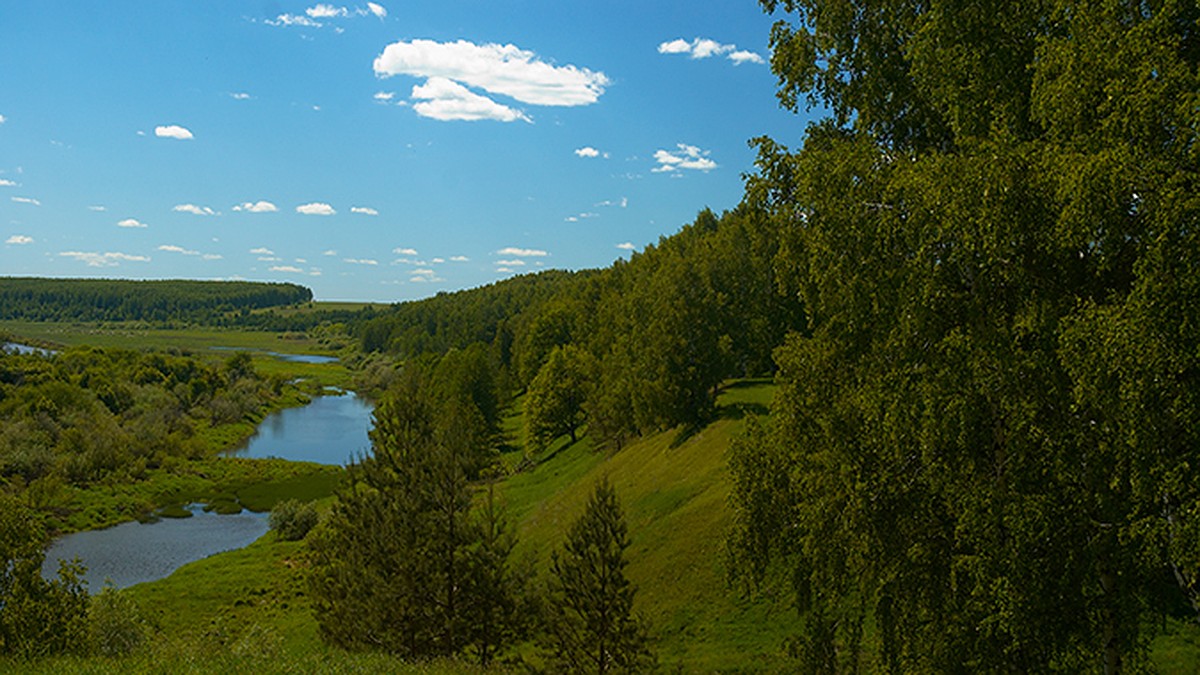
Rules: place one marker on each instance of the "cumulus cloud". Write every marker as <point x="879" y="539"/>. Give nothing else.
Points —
<point x="4" y="182"/>
<point x="422" y="276"/>
<point x="360" y="261"/>
<point x="19" y="239"/>
<point x="703" y="48"/>
<point x="329" y="252"/>
<point x="511" y="263"/>
<point x="240" y="95"/>
<point x="197" y="210"/>
<point x="627" y="246"/>
<point x="109" y="259"/>
<point x="506" y="70"/>
<point x="522" y="252"/>
<point x="446" y="100"/>
<point x="384" y="96"/>
<point x="316" y="209"/>
<point x="286" y="268"/>
<point x="171" y="248"/>
<point x="131" y="222"/>
<point x="404" y="251"/>
<point x="27" y="200"/>
<point x="97" y="207"/>
<point x="459" y="258"/>
<point x="365" y="210"/>
<point x="3" y="119"/>
<point x="587" y="151"/>
<point x="212" y="256"/>
<point x="377" y="9"/>
<point x="256" y="207"/>
<point x="173" y="131"/>
<point x="684" y="157"/>
<point x="262" y="250"/>
<point x="739" y="57"/>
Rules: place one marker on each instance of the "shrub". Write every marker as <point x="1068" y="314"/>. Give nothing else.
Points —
<point x="115" y="624"/>
<point x="292" y="519"/>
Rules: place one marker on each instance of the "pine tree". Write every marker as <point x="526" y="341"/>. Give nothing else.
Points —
<point x="592" y="627"/>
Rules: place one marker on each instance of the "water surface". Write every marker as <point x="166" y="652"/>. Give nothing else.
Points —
<point x="330" y="430"/>
<point x="132" y="553"/>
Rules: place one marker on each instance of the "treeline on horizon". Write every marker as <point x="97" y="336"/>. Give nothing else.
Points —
<point x="46" y="299"/>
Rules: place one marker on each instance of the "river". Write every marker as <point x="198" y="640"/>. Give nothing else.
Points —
<point x="329" y="430"/>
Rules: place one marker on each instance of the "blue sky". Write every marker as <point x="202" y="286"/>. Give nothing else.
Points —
<point x="376" y="151"/>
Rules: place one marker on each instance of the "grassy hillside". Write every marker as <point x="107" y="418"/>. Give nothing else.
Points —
<point x="250" y="604"/>
<point x="247" y="611"/>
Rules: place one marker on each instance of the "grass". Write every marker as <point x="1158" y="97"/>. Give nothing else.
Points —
<point x="674" y="494"/>
<point x="248" y="611"/>
<point x="226" y="483"/>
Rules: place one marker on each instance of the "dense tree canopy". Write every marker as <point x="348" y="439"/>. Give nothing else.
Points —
<point x="37" y="299"/>
<point x="984" y="440"/>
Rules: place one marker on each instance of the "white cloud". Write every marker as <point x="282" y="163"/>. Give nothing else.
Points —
<point x="293" y="20"/>
<point x="422" y="276"/>
<point x="329" y="252"/>
<point x="384" y="96"/>
<point x="103" y="259"/>
<point x="256" y="207"/>
<point x="522" y="252"/>
<point x="446" y="100"/>
<point x="3" y="119"/>
<point x="240" y="95"/>
<point x="404" y="251"/>
<point x="685" y="157"/>
<point x="588" y="151"/>
<point x="360" y="261"/>
<point x="498" y="69"/>
<point x="703" y="48"/>
<point x="262" y="250"/>
<point x="286" y="268"/>
<point x="4" y="182"/>
<point x="27" y="200"/>
<point x="316" y="209"/>
<point x="676" y="46"/>
<point x="212" y="256"/>
<point x="97" y="207"/>
<point x="365" y="210"/>
<point x="173" y="131"/>
<point x="131" y="222"/>
<point x="171" y="248"/>
<point x="197" y="210"/>
<point x="377" y="9"/>
<point x="19" y="239"/>
<point x="740" y="57"/>
<point x="323" y="11"/>
<point x="504" y="270"/>
<point x="438" y="261"/>
<point x="269" y="258"/>
<point x="627" y="246"/>
<point x="459" y="258"/>
<point x="510" y="263"/>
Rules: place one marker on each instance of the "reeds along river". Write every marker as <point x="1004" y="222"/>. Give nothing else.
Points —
<point x="330" y="430"/>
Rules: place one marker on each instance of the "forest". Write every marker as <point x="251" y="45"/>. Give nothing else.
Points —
<point x="974" y="286"/>
<point x="122" y="300"/>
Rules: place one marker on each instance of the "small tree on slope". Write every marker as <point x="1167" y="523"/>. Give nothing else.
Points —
<point x="592" y="628"/>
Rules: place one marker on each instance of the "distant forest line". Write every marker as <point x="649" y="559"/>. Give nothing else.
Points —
<point x="42" y="299"/>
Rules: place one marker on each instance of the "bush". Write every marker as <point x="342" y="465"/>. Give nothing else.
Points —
<point x="115" y="624"/>
<point x="292" y="519"/>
